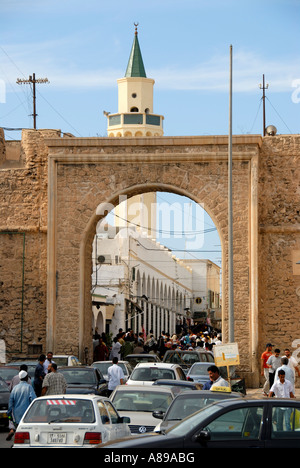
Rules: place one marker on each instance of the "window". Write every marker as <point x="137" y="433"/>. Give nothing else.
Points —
<point x="103" y="412"/>
<point x="113" y="414"/>
<point x="242" y="423"/>
<point x="285" y="422"/>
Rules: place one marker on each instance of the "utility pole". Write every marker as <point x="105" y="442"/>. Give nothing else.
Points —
<point x="32" y="80"/>
<point x="263" y="87"/>
<point x="230" y="215"/>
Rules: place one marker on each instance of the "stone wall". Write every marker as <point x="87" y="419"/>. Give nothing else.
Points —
<point x="84" y="173"/>
<point x="279" y="242"/>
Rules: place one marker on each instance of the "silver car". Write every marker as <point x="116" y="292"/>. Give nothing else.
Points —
<point x="139" y="402"/>
<point x="104" y="365"/>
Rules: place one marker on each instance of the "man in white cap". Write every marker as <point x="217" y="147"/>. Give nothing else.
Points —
<point x="20" y="398"/>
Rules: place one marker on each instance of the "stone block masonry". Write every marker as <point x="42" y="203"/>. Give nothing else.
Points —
<point x="49" y="197"/>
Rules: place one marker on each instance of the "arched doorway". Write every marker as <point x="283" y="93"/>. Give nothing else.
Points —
<point x="138" y="244"/>
<point x="88" y="177"/>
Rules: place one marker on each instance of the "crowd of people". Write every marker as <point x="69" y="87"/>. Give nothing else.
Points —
<point x="125" y="343"/>
<point x="279" y="372"/>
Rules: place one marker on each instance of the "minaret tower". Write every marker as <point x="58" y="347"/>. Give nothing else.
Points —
<point x="135" y="117"/>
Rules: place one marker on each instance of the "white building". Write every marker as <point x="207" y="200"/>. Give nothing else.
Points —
<point x="138" y="283"/>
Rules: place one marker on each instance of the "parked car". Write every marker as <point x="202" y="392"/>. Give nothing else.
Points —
<point x="187" y="403"/>
<point x="70" y="421"/>
<point x="84" y="380"/>
<point x="178" y="386"/>
<point x="187" y="358"/>
<point x="104" y="365"/>
<point x="198" y="372"/>
<point x="4" y="400"/>
<point x="135" y="359"/>
<point x="229" y="423"/>
<point x="147" y="373"/>
<point x="30" y="363"/>
<point x="138" y="403"/>
<point x="7" y="373"/>
<point x="66" y="360"/>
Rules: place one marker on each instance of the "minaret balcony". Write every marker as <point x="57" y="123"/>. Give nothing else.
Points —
<point x="135" y="118"/>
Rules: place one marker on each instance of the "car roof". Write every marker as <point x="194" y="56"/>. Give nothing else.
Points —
<point x="142" y="355"/>
<point x="72" y="368"/>
<point x="108" y="362"/>
<point x="186" y="383"/>
<point x="189" y="351"/>
<point x="143" y="388"/>
<point x="76" y="396"/>
<point x="159" y="365"/>
<point x="206" y="393"/>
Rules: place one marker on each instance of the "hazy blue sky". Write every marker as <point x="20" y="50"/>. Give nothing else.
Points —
<point x="83" y="48"/>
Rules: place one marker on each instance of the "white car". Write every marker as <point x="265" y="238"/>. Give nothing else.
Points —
<point x="139" y="402"/>
<point x="66" y="360"/>
<point x="147" y="373"/>
<point x="69" y="421"/>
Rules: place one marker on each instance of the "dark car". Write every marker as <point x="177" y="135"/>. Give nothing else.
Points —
<point x="31" y="365"/>
<point x="178" y="386"/>
<point x="4" y="400"/>
<point x="7" y="373"/>
<point x="188" y="403"/>
<point x="230" y="423"/>
<point x="84" y="380"/>
<point x="187" y="358"/>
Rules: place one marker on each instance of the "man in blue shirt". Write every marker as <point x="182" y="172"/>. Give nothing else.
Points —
<point x="20" y="398"/>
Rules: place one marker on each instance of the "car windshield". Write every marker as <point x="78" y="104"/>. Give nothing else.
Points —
<point x="152" y="374"/>
<point x="60" y="410"/>
<point x="182" y="358"/>
<point x="76" y="376"/>
<point x="61" y="361"/>
<point x="188" y="424"/>
<point x="199" y="369"/>
<point x="183" y="407"/>
<point x="141" y="401"/>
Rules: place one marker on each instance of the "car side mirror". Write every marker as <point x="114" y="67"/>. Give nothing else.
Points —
<point x="202" y="437"/>
<point x="158" y="414"/>
<point x="124" y="420"/>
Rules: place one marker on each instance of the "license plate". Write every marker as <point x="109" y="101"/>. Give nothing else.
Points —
<point x="3" y="415"/>
<point x="57" y="438"/>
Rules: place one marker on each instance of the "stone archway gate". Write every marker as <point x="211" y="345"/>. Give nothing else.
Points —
<point x="86" y="174"/>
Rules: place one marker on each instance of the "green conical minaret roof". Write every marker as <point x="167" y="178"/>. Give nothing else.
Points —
<point x="135" y="67"/>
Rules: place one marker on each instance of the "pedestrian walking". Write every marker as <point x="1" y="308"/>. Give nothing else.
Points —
<point x="289" y="373"/>
<point x="16" y="379"/>
<point x="20" y="398"/>
<point x="293" y="364"/>
<point x="282" y="388"/>
<point x="274" y="362"/>
<point x="54" y="382"/>
<point x="39" y="375"/>
<point x="101" y="352"/>
<point x="265" y="368"/>
<point x="115" y="349"/>
<point x="48" y="361"/>
<point x="115" y="375"/>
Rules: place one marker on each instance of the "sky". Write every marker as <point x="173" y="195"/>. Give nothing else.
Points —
<point x="82" y="48"/>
